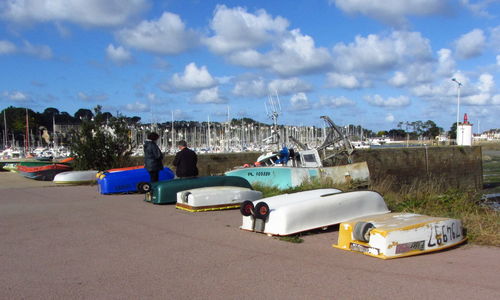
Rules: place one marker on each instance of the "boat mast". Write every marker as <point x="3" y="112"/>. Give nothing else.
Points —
<point x="27" y="139"/>
<point x="5" y="129"/>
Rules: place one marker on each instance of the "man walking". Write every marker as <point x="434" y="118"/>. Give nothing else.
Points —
<point x="185" y="161"/>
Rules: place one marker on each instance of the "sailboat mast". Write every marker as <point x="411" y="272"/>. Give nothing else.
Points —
<point x="27" y="139"/>
<point x="5" y="129"/>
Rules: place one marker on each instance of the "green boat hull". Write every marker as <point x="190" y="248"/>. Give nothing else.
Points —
<point x="165" y="192"/>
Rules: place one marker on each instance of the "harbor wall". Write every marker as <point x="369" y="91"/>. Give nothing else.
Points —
<point x="452" y="166"/>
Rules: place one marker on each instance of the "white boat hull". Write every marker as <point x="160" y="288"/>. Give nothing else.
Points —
<point x="76" y="177"/>
<point x="399" y="234"/>
<point x="215" y="198"/>
<point x="303" y="211"/>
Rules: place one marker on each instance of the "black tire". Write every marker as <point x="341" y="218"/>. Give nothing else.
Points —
<point x="144" y="187"/>
<point x="246" y="208"/>
<point x="261" y="210"/>
<point x="362" y="230"/>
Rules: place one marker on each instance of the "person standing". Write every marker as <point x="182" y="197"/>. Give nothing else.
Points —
<point x="153" y="158"/>
<point x="185" y="161"/>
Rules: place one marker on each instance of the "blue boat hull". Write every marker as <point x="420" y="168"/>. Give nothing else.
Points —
<point x="128" y="181"/>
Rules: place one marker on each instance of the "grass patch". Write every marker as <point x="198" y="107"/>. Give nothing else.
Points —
<point x="291" y="239"/>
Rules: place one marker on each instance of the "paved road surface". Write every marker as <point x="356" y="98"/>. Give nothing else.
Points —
<point x="72" y="243"/>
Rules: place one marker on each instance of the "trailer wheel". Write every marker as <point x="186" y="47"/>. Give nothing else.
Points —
<point x="362" y="231"/>
<point x="144" y="187"/>
<point x="261" y="210"/>
<point x="246" y="208"/>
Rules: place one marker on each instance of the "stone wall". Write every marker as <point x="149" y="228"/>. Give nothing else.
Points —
<point x="453" y="166"/>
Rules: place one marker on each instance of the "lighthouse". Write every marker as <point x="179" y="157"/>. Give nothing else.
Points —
<point x="464" y="133"/>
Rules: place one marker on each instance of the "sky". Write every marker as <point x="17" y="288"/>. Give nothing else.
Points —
<point x="363" y="62"/>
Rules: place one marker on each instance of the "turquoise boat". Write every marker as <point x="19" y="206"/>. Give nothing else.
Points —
<point x="165" y="192"/>
<point x="284" y="177"/>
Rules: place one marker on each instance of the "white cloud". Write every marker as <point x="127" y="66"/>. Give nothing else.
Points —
<point x="345" y="81"/>
<point x="495" y="100"/>
<point x="479" y="8"/>
<point x="381" y="53"/>
<point x="389" y="118"/>
<point x="118" y="55"/>
<point x="446" y="63"/>
<point x="392" y="12"/>
<point x="209" y="96"/>
<point x="250" y="88"/>
<point x="235" y="29"/>
<point x="167" y="35"/>
<point x="16" y="96"/>
<point x="136" y="107"/>
<point x="299" y="102"/>
<point x="377" y="100"/>
<point x="399" y="79"/>
<point x="194" y="78"/>
<point x="486" y="83"/>
<point x="470" y="44"/>
<point x="84" y="12"/>
<point x="498" y="60"/>
<point x="335" y="102"/>
<point x="41" y="51"/>
<point x="7" y="47"/>
<point x="288" y="86"/>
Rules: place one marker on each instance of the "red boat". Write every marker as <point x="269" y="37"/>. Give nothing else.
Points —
<point x="45" y="173"/>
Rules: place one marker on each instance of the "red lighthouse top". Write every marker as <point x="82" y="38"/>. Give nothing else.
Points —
<point x="466" y="119"/>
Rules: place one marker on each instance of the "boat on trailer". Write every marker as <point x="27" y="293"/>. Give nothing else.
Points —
<point x="129" y="181"/>
<point x="76" y="177"/>
<point x="215" y="198"/>
<point x="165" y="192"/>
<point x="396" y="235"/>
<point x="297" y="212"/>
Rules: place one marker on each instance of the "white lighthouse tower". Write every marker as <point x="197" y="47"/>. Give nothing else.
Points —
<point x="464" y="133"/>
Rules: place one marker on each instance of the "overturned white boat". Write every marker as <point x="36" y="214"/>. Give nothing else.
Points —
<point x="215" y="198"/>
<point x="292" y="213"/>
<point x="399" y="234"/>
<point x="76" y="177"/>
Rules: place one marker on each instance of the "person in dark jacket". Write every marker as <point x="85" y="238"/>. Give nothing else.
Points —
<point x="153" y="158"/>
<point x="185" y="161"/>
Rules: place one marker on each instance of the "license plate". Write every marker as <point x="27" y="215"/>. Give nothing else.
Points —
<point x="406" y="247"/>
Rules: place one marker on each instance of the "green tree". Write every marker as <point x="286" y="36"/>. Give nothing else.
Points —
<point x="102" y="144"/>
<point x="453" y="131"/>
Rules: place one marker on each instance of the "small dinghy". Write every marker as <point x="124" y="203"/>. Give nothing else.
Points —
<point x="215" y="198"/>
<point x="165" y="192"/>
<point x="292" y="213"/>
<point x="399" y="234"/>
<point x="11" y="167"/>
<point x="45" y="173"/>
<point x="76" y="177"/>
<point x="129" y="181"/>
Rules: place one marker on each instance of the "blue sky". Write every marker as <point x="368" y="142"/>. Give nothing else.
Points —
<point x="373" y="63"/>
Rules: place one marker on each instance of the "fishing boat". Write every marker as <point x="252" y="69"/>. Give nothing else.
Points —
<point x="129" y="181"/>
<point x="288" y="168"/>
<point x="45" y="173"/>
<point x="293" y="213"/>
<point x="396" y="235"/>
<point x="76" y="177"/>
<point x="215" y="198"/>
<point x="165" y="192"/>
